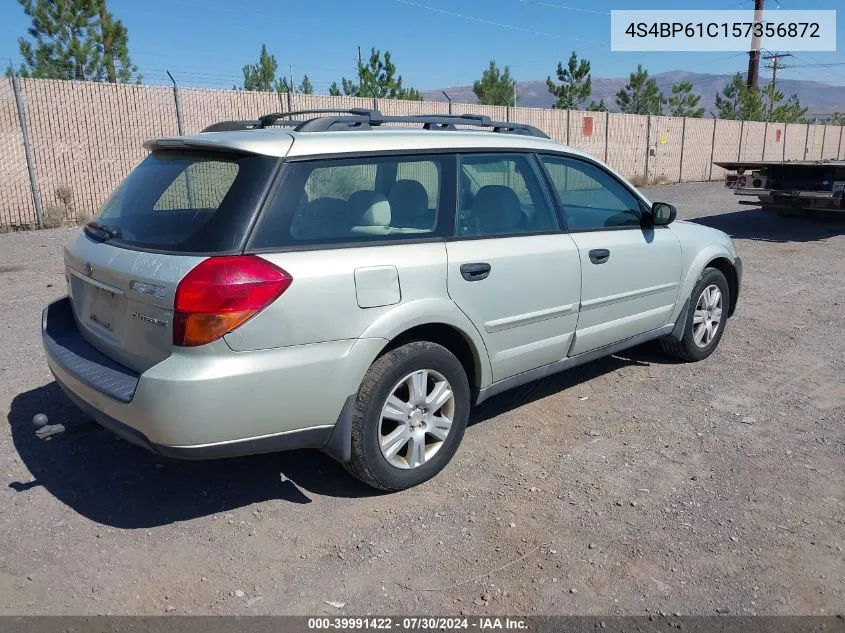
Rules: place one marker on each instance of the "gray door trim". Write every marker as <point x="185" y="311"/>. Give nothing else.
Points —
<point x="569" y="362"/>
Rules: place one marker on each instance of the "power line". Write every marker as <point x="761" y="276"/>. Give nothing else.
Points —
<point x="499" y="24"/>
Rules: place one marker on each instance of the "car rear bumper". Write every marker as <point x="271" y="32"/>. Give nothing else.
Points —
<point x="210" y="401"/>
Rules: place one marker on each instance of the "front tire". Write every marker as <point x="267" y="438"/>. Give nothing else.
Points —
<point x="410" y="415"/>
<point x="709" y="305"/>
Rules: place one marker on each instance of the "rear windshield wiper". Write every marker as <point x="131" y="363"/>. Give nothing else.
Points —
<point x="110" y="232"/>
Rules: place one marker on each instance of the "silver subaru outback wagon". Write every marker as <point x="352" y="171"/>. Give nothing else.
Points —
<point x="355" y="283"/>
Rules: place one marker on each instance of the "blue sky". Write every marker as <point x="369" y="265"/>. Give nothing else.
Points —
<point x="434" y="43"/>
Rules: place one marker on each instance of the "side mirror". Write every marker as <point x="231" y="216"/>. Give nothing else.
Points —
<point x="663" y="213"/>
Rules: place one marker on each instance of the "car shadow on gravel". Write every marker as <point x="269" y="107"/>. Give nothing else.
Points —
<point x="642" y="355"/>
<point x="112" y="482"/>
<point x="765" y="226"/>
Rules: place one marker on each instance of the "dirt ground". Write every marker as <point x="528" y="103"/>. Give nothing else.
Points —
<point x="631" y="485"/>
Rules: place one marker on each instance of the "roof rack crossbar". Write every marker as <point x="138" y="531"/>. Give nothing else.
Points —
<point x="449" y="121"/>
<point x="231" y="126"/>
<point x="373" y="116"/>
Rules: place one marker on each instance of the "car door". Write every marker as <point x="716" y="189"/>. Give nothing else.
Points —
<point x="511" y="269"/>
<point x="630" y="275"/>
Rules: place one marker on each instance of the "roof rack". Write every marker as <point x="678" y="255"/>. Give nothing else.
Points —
<point x="364" y="119"/>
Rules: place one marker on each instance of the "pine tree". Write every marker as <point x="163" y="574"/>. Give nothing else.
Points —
<point x="738" y="102"/>
<point x="376" y="78"/>
<point x="837" y="118"/>
<point x="74" y="39"/>
<point x="641" y="95"/>
<point x="261" y="77"/>
<point x="683" y="102"/>
<point x="598" y="107"/>
<point x="495" y="87"/>
<point x="576" y="83"/>
<point x="334" y="90"/>
<point x="306" y="87"/>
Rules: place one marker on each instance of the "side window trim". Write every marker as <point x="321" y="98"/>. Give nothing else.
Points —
<point x="559" y="204"/>
<point x="541" y="180"/>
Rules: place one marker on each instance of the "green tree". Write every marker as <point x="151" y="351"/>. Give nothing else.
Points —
<point x="334" y="90"/>
<point x="376" y="78"/>
<point x="74" y="39"/>
<point x="777" y="110"/>
<point x="837" y="118"/>
<point x="641" y="95"/>
<point x="683" y="102"/>
<point x="597" y="107"/>
<point x="261" y="77"/>
<point x="576" y="83"/>
<point x="306" y="87"/>
<point x="495" y="87"/>
<point x="738" y="102"/>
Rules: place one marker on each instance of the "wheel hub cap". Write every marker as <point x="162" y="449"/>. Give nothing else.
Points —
<point x="707" y="316"/>
<point x="416" y="419"/>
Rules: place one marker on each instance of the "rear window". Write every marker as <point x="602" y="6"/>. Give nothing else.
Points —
<point x="188" y="202"/>
<point x="354" y="200"/>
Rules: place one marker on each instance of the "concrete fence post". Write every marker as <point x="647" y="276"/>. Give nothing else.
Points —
<point x="712" y="149"/>
<point x="824" y="134"/>
<point x="807" y="142"/>
<point x="567" y="126"/>
<point x="607" y="134"/>
<point x="27" y="150"/>
<point x="783" y="140"/>
<point x="647" y="148"/>
<point x="683" y="138"/>
<point x="839" y="147"/>
<point x="765" y="136"/>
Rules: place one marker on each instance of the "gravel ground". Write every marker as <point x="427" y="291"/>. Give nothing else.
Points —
<point x="631" y="485"/>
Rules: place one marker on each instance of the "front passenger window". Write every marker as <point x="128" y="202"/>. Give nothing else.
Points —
<point x="590" y="198"/>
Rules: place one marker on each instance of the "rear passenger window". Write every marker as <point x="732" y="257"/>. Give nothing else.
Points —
<point x="349" y="200"/>
<point x="501" y="194"/>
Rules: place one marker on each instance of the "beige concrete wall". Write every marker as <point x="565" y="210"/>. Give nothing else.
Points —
<point x="627" y="144"/>
<point x="16" y="206"/>
<point x="830" y="147"/>
<point x="698" y="138"/>
<point x="796" y="135"/>
<point x="86" y="137"/>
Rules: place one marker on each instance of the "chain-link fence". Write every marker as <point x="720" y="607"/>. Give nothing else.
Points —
<point x="65" y="146"/>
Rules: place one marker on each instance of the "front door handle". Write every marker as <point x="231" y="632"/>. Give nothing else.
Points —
<point x="599" y="255"/>
<point x="476" y="271"/>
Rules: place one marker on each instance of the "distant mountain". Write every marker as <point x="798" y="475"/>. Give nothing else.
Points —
<point x="817" y="96"/>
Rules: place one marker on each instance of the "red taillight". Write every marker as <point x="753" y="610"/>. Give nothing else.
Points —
<point x="222" y="293"/>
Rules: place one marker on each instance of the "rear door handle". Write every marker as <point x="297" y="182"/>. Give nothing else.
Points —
<point x="476" y="271"/>
<point x="599" y="255"/>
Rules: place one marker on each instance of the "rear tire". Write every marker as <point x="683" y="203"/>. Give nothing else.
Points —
<point x="706" y="318"/>
<point x="410" y="415"/>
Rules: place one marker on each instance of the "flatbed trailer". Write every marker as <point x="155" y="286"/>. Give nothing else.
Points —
<point x="789" y="188"/>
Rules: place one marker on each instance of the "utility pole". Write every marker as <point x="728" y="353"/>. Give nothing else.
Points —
<point x="775" y="65"/>
<point x="754" y="53"/>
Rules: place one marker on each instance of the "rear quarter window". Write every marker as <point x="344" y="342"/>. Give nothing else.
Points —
<point x="350" y="200"/>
